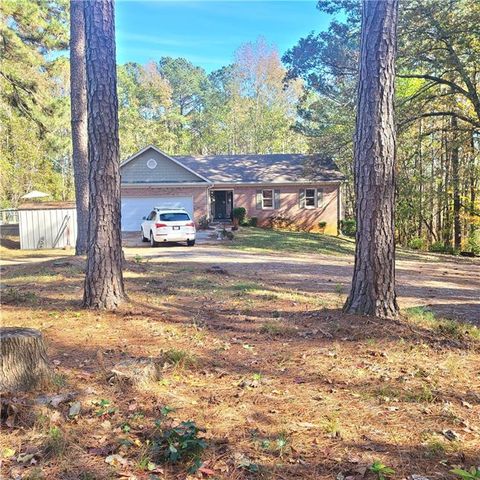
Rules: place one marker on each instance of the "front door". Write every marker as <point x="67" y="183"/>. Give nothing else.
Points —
<point x="221" y="201"/>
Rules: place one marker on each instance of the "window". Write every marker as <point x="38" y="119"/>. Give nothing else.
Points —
<point x="152" y="214"/>
<point x="174" y="217"/>
<point x="267" y="199"/>
<point x="310" y="198"/>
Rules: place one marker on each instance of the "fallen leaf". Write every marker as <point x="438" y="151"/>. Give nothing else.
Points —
<point x="74" y="409"/>
<point x="116" y="460"/>
<point x="8" y="452"/>
<point x="25" y="457"/>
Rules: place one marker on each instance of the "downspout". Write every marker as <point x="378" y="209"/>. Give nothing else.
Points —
<point x="339" y="208"/>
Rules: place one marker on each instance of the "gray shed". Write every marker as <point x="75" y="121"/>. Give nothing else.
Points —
<point x="47" y="225"/>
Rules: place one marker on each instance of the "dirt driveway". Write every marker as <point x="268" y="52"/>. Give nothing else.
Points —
<point x="450" y="287"/>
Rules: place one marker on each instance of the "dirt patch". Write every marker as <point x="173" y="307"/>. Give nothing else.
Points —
<point x="282" y="383"/>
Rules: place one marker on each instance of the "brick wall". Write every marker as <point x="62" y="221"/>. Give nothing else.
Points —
<point x="289" y="206"/>
<point x="245" y="196"/>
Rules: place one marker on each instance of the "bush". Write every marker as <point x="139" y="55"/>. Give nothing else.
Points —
<point x="473" y="242"/>
<point x="440" y="247"/>
<point x="322" y="225"/>
<point x="250" y="222"/>
<point x="416" y="243"/>
<point x="203" y="223"/>
<point x="348" y="227"/>
<point x="239" y="213"/>
<point x="281" y="222"/>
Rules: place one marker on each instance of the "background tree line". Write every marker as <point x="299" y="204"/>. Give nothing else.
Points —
<point x="303" y="102"/>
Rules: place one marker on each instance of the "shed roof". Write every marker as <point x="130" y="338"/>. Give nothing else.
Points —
<point x="46" y="205"/>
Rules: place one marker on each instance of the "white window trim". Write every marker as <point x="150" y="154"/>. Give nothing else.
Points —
<point x="273" y="199"/>
<point x="315" y="199"/>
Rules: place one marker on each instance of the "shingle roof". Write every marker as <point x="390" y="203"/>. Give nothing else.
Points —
<point x="272" y="168"/>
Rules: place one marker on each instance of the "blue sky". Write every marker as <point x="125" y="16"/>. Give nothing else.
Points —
<point x="208" y="32"/>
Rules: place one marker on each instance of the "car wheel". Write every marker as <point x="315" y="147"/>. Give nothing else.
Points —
<point x="144" y="238"/>
<point x="153" y="243"/>
<point x="190" y="243"/>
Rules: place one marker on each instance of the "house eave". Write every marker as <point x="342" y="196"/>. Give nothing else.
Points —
<point x="285" y="183"/>
<point x="166" y="184"/>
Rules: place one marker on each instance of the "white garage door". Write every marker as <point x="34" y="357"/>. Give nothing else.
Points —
<point x="133" y="209"/>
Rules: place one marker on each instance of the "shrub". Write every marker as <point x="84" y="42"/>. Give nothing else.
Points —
<point x="253" y="221"/>
<point x="416" y="243"/>
<point x="322" y="225"/>
<point x="203" y="223"/>
<point x="282" y="222"/>
<point x="473" y="242"/>
<point x="440" y="247"/>
<point x="348" y="227"/>
<point x="239" y="213"/>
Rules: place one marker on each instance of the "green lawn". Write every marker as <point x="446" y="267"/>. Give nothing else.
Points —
<point x="259" y="239"/>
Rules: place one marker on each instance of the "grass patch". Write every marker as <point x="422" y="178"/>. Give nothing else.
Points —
<point x="273" y="328"/>
<point x="260" y="239"/>
<point x="450" y="328"/>
<point x="245" y="287"/>
<point x="179" y="358"/>
<point x="15" y="296"/>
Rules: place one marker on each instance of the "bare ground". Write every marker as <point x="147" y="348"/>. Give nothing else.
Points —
<point x="284" y="384"/>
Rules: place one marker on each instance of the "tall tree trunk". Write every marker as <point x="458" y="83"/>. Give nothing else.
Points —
<point x="78" y="95"/>
<point x="457" y="225"/>
<point x="373" y="283"/>
<point x="104" y="279"/>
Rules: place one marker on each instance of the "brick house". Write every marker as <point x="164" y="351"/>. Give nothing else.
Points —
<point x="303" y="188"/>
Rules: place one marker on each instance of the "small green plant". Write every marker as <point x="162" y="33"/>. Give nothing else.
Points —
<point x="272" y="328"/>
<point x="55" y="444"/>
<point x="331" y="426"/>
<point x="138" y="259"/>
<point x="103" y="408"/>
<point x="59" y="380"/>
<point x="322" y="226"/>
<point x="179" y="443"/>
<point x="278" y="445"/>
<point x="472" y="474"/>
<point x="179" y="358"/>
<point x="381" y="470"/>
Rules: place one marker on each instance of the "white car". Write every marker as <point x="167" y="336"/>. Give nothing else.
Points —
<point x="168" y="225"/>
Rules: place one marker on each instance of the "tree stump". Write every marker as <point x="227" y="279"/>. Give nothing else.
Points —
<point x="24" y="363"/>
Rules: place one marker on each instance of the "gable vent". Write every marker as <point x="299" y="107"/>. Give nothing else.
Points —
<point x="151" y="163"/>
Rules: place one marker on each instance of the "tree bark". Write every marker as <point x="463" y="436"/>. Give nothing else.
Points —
<point x="78" y="96"/>
<point x="104" y="280"/>
<point x="457" y="225"/>
<point x="373" y="283"/>
<point x="24" y="362"/>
